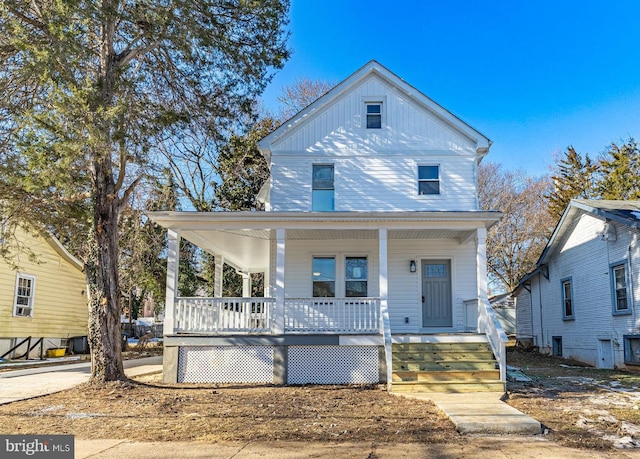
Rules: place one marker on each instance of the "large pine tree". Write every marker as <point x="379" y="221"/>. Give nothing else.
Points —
<point x="620" y="172"/>
<point x="573" y="177"/>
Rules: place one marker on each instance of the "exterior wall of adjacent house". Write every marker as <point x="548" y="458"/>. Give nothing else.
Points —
<point x="595" y="334"/>
<point x="524" y="318"/>
<point x="405" y="289"/>
<point x="375" y="169"/>
<point x="59" y="304"/>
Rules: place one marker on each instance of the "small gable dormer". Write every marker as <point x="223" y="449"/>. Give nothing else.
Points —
<point x="374" y="143"/>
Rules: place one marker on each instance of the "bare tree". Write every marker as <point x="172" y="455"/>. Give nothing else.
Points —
<point x="516" y="242"/>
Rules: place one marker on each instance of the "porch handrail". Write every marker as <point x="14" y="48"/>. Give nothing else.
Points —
<point x="219" y="315"/>
<point x="332" y="315"/>
<point x="489" y="324"/>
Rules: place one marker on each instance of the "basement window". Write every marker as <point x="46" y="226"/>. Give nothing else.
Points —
<point x="632" y="349"/>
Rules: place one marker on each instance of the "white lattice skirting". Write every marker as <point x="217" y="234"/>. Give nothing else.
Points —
<point x="225" y="364"/>
<point x="332" y="365"/>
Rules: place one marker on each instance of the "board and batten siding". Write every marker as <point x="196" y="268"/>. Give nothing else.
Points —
<point x="375" y="169"/>
<point x="405" y="289"/>
<point x="585" y="258"/>
<point x="60" y="303"/>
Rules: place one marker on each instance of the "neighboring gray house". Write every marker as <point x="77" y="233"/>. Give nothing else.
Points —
<point x="582" y="300"/>
<point x="504" y="306"/>
<point x="372" y="246"/>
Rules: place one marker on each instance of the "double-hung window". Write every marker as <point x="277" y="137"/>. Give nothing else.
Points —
<point x="619" y="290"/>
<point x="355" y="278"/>
<point x="428" y="180"/>
<point x="323" y="190"/>
<point x="567" y="299"/>
<point x="324" y="276"/>
<point x="24" y="295"/>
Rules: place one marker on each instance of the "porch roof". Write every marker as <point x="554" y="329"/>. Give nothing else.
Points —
<point x="243" y="238"/>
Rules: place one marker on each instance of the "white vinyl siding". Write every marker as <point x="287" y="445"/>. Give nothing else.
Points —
<point x="381" y="183"/>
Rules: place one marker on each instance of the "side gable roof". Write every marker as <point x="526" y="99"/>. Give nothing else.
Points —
<point x="57" y="246"/>
<point x="622" y="212"/>
<point x="374" y="68"/>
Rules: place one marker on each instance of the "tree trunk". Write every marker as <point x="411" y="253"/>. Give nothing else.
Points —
<point x="102" y="276"/>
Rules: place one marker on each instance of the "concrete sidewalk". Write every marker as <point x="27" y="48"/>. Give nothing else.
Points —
<point x="32" y="382"/>
<point x="472" y="447"/>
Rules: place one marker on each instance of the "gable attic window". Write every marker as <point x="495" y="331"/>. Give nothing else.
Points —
<point x="25" y="292"/>
<point x="428" y="180"/>
<point x="374" y="115"/>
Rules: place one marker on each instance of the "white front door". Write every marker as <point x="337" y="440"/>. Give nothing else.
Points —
<point x="605" y="354"/>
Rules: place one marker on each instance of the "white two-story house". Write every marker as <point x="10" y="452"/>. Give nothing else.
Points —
<point x="372" y="246"/>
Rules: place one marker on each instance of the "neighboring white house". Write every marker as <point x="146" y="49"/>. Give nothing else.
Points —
<point x="372" y="237"/>
<point x="581" y="302"/>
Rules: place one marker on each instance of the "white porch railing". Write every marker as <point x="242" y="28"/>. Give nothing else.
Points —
<point x="257" y="315"/>
<point x="332" y="315"/>
<point x="488" y="324"/>
<point x="220" y="315"/>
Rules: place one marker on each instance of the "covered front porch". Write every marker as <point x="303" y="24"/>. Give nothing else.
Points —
<point x="291" y="324"/>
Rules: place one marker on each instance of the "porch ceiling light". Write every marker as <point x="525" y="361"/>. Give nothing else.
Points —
<point x="412" y="266"/>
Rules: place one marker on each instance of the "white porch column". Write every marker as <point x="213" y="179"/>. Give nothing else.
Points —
<point x="173" y="263"/>
<point x="246" y="285"/>
<point x="218" y="275"/>
<point x="384" y="301"/>
<point x="481" y="263"/>
<point x="278" y="328"/>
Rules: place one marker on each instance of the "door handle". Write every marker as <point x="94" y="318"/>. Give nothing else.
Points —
<point x="423" y="298"/>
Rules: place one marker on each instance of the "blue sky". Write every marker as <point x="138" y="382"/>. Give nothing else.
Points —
<point x="533" y="76"/>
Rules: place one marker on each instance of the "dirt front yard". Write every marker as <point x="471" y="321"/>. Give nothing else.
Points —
<point x="150" y="411"/>
<point x="579" y="406"/>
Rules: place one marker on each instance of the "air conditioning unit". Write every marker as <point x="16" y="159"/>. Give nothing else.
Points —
<point x="23" y="311"/>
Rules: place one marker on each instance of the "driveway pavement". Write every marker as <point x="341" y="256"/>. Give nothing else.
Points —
<point x="29" y="383"/>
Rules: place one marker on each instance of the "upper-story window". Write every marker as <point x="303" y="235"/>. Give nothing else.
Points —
<point x="428" y="180"/>
<point x="374" y="115"/>
<point x="25" y="293"/>
<point x="323" y="191"/>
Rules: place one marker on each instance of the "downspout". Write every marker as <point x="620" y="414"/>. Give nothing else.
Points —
<point x="540" y="304"/>
<point x="633" y="242"/>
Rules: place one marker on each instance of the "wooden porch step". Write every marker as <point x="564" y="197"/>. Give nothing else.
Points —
<point x="445" y="366"/>
<point x="446" y="376"/>
<point x="442" y="365"/>
<point x="448" y="386"/>
<point x="441" y="347"/>
<point x="435" y="356"/>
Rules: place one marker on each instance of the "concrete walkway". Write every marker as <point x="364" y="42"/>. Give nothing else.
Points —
<point x="29" y="383"/>
<point x="481" y="412"/>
